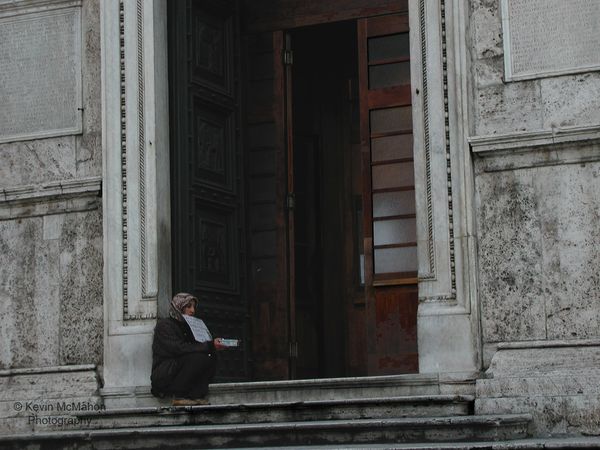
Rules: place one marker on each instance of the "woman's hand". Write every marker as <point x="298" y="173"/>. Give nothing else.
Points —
<point x="218" y="344"/>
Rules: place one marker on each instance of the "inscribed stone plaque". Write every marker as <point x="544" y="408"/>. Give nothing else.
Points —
<point x="40" y="75"/>
<point x="550" y="37"/>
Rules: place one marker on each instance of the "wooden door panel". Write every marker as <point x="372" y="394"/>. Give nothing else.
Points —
<point x="388" y="195"/>
<point x="395" y="345"/>
<point x="212" y="44"/>
<point x="213" y="144"/>
<point x="206" y="171"/>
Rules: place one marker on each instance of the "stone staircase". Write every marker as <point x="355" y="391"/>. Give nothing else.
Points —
<point x="404" y="410"/>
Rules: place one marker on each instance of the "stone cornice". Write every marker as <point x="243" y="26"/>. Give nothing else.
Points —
<point x="488" y="145"/>
<point x="517" y="345"/>
<point x="56" y="197"/>
<point x="77" y="187"/>
<point x="44" y="370"/>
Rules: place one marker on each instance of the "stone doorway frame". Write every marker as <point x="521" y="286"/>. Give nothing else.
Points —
<point x="136" y="194"/>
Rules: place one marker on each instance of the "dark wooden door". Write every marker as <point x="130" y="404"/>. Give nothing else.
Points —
<point x="207" y="170"/>
<point x="390" y="245"/>
<point x="266" y="183"/>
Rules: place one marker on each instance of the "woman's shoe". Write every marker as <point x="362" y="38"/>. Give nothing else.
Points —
<point x="183" y="402"/>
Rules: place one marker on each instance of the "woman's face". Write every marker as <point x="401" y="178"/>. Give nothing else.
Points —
<point x="190" y="309"/>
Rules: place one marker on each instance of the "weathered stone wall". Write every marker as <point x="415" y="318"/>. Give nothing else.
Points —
<point x="537" y="206"/>
<point x="538" y="252"/>
<point x="531" y="105"/>
<point x="51" y="237"/>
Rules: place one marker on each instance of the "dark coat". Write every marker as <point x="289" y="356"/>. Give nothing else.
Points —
<point x="172" y="339"/>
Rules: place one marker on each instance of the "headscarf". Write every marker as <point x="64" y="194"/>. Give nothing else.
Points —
<point x="178" y="304"/>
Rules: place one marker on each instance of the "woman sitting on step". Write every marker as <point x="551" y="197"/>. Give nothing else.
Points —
<point x="183" y="365"/>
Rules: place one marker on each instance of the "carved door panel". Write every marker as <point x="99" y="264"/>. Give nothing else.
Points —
<point x="207" y="169"/>
<point x="388" y="193"/>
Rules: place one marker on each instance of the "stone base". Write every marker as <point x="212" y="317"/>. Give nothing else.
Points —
<point x="131" y="397"/>
<point x="46" y="399"/>
<point x="558" y="382"/>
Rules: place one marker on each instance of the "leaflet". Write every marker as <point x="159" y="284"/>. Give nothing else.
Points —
<point x="199" y="328"/>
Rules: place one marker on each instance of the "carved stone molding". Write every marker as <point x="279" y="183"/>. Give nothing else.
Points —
<point x="447" y="316"/>
<point x="57" y="197"/>
<point x="429" y="274"/>
<point x="137" y="285"/>
<point x="136" y="192"/>
<point x="134" y="170"/>
<point x="523" y="141"/>
<point x="435" y="150"/>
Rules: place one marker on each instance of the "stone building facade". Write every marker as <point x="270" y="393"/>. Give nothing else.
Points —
<point x="506" y="127"/>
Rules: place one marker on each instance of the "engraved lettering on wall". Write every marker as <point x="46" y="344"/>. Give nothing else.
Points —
<point x="546" y="37"/>
<point x="40" y="80"/>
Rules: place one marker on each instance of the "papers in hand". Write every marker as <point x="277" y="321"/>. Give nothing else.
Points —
<point x="199" y="329"/>
<point x="230" y="342"/>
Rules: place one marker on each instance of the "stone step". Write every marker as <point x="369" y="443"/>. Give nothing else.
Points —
<point x="360" y="431"/>
<point x="326" y="389"/>
<point x="577" y="442"/>
<point x="314" y="389"/>
<point x="345" y="409"/>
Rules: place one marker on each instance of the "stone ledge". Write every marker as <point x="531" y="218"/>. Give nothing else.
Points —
<point x="490" y="145"/>
<point x="549" y="344"/>
<point x="49" y="369"/>
<point x="57" y="197"/>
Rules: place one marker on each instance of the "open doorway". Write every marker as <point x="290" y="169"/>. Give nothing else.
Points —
<point x="292" y="188"/>
<point x="329" y="299"/>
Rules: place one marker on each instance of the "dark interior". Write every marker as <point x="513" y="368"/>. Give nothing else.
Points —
<point x="325" y="131"/>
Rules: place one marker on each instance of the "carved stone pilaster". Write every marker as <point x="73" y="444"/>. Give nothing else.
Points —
<point x="136" y="182"/>
<point x="443" y="184"/>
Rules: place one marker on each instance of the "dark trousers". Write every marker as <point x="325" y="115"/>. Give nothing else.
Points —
<point x="196" y="371"/>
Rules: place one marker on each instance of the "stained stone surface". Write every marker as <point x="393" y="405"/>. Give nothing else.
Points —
<point x="538" y="252"/>
<point x="499" y="107"/>
<point x="569" y="210"/>
<point x="486" y="27"/>
<point x="509" y="108"/>
<point x="557" y="382"/>
<point x="51" y="294"/>
<point x="29" y="301"/>
<point x="571" y="100"/>
<point x="51" y="267"/>
<point x="510" y="251"/>
<point x="488" y="72"/>
<point x="66" y="157"/>
<point x="89" y="145"/>
<point x="34" y="162"/>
